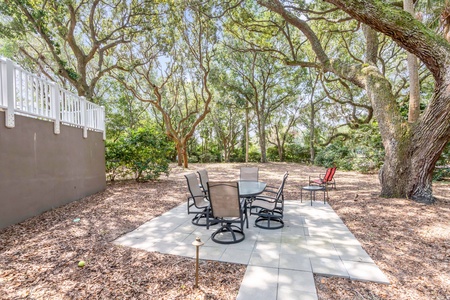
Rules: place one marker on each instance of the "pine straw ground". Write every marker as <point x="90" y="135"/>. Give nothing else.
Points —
<point x="39" y="257"/>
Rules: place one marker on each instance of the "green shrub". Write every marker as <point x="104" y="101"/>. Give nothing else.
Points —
<point x="254" y="156"/>
<point x="207" y="158"/>
<point x="443" y="165"/>
<point x="272" y="154"/>
<point x="193" y="159"/>
<point x="335" y="153"/>
<point x="144" y="151"/>
<point x="441" y="173"/>
<point x="237" y="156"/>
<point x="115" y="166"/>
<point x="297" y="153"/>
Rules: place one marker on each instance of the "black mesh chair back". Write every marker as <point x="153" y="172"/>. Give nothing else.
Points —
<point x="249" y="173"/>
<point x="228" y="210"/>
<point x="197" y="202"/>
<point x="203" y="175"/>
<point x="270" y="210"/>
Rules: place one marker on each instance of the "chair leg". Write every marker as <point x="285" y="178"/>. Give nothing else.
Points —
<point x="279" y="223"/>
<point x="203" y="215"/>
<point x="233" y="230"/>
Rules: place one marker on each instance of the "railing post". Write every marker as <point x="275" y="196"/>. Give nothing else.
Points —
<point x="102" y="122"/>
<point x="56" y="107"/>
<point x="8" y="92"/>
<point x="84" y="117"/>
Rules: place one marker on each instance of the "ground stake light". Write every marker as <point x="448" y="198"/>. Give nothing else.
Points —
<point x="197" y="243"/>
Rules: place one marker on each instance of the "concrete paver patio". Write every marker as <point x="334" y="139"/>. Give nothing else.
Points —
<point x="280" y="263"/>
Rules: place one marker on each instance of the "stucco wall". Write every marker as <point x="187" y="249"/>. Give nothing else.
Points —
<point x="40" y="170"/>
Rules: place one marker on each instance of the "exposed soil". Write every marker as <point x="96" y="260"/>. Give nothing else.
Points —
<point x="410" y="242"/>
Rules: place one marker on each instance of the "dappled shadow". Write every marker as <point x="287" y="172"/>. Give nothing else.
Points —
<point x="39" y="257"/>
<point x="409" y="241"/>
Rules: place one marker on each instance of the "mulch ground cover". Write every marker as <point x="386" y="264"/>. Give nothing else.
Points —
<point x="39" y="257"/>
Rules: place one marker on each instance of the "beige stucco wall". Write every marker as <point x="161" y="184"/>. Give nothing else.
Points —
<point x="40" y="170"/>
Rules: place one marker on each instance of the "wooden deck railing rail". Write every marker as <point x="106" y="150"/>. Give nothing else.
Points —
<point x="24" y="93"/>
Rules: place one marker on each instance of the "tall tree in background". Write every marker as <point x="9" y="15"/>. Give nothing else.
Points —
<point x="264" y="84"/>
<point x="413" y="69"/>
<point x="228" y="125"/>
<point x="411" y="150"/>
<point x="271" y="35"/>
<point x="282" y="122"/>
<point x="174" y="76"/>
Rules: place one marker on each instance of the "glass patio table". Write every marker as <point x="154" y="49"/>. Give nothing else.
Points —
<point x="249" y="189"/>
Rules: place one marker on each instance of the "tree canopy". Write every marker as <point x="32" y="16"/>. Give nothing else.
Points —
<point x="267" y="80"/>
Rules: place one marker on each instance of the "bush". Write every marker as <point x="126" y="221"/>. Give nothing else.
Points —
<point x="193" y="159"/>
<point x="297" y="153"/>
<point x="443" y="165"/>
<point x="144" y="151"/>
<point x="363" y="152"/>
<point x="254" y="156"/>
<point x="368" y="159"/>
<point x="237" y="156"/>
<point x="335" y="153"/>
<point x="272" y="154"/>
<point x="208" y="158"/>
<point x="115" y="166"/>
<point x="441" y="173"/>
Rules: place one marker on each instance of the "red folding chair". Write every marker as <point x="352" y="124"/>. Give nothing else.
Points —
<point x="325" y="180"/>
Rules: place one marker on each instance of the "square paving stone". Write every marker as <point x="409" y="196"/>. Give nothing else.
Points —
<point x="289" y="239"/>
<point x="325" y="251"/>
<point x="365" y="272"/>
<point x="268" y="292"/>
<point x="211" y="253"/>
<point x="295" y="262"/>
<point x="162" y="247"/>
<point x="265" y="259"/>
<point x="260" y="277"/>
<point x="289" y="293"/>
<point x="329" y="267"/>
<point x="353" y="253"/>
<point x="238" y="256"/>
<point x="344" y="241"/>
<point x="295" y="249"/>
<point x="269" y="237"/>
<point x="296" y="280"/>
<point x="186" y="250"/>
<point x="318" y="241"/>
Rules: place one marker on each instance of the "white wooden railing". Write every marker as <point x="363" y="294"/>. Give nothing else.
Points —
<point x="26" y="94"/>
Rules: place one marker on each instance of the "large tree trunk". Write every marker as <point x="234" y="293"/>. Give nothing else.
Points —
<point x="312" y="151"/>
<point x="421" y="144"/>
<point x="226" y="150"/>
<point x="185" y="155"/>
<point x="394" y="174"/>
<point x="179" y="153"/>
<point x="429" y="139"/>
<point x="247" y="138"/>
<point x="413" y="69"/>
<point x="262" y="138"/>
<point x="412" y="150"/>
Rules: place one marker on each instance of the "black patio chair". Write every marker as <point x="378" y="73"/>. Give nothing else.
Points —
<point x="203" y="175"/>
<point x="197" y="203"/>
<point x="270" y="210"/>
<point x="249" y="173"/>
<point x="229" y="211"/>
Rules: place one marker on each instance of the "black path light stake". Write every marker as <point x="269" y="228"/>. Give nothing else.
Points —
<point x="197" y="243"/>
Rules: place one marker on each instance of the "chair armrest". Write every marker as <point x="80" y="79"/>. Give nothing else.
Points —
<point x="271" y="189"/>
<point x="311" y="179"/>
<point x="265" y="198"/>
